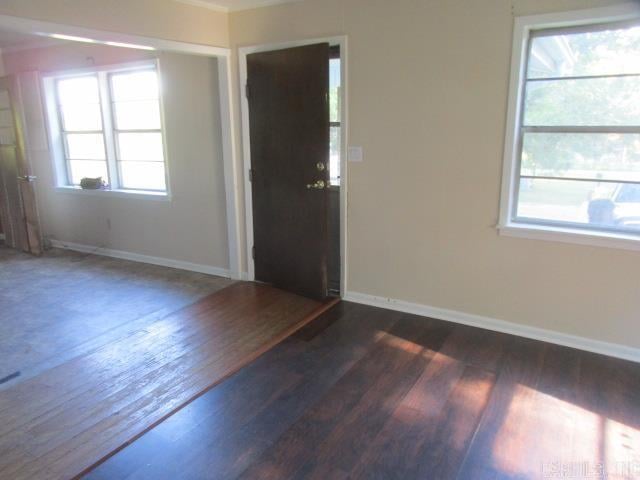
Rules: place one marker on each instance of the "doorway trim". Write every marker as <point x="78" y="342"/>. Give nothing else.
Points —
<point x="226" y="112"/>
<point x="341" y="41"/>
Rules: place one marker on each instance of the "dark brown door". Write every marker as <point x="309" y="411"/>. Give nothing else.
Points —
<point x="18" y="210"/>
<point x="289" y="123"/>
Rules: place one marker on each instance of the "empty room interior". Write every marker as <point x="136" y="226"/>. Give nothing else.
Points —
<point x="319" y="239"/>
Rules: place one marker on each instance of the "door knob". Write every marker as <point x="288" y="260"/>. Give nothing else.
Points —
<point x="318" y="185"/>
<point x="27" y="178"/>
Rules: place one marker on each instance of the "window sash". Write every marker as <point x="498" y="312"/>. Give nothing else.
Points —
<point x="64" y="132"/>
<point x="116" y="131"/>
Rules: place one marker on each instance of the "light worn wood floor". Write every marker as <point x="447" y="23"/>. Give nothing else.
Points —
<point x="61" y="422"/>
<point x="63" y="304"/>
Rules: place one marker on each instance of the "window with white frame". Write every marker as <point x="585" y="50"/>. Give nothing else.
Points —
<point x="109" y="125"/>
<point x="574" y="160"/>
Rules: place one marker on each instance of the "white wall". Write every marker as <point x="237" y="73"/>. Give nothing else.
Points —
<point x="428" y="83"/>
<point x="191" y="226"/>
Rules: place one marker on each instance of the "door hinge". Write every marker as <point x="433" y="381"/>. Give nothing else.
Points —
<point x="251" y="174"/>
<point x="246" y="90"/>
<point x="253" y="252"/>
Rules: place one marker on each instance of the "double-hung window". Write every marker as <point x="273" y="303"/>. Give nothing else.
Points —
<point x="108" y="124"/>
<point x="572" y="158"/>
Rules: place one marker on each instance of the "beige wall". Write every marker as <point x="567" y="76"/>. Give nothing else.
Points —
<point x="428" y="86"/>
<point x="166" y="19"/>
<point x="191" y="227"/>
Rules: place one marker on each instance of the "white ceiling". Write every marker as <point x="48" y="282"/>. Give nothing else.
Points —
<point x="234" y="5"/>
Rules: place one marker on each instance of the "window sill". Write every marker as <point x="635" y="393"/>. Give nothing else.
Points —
<point x="571" y="235"/>
<point x="138" y="194"/>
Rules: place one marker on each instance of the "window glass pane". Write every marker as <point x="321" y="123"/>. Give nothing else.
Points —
<point x="81" y="116"/>
<point x="602" y="101"/>
<point x="85" y="146"/>
<point x="140" y="146"/>
<point x="78" y="90"/>
<point x="141" y="85"/>
<point x="334" y="90"/>
<point x="334" y="156"/>
<point x="582" y="155"/>
<point x="89" y="169"/>
<point x="137" y="115"/>
<point x="143" y="175"/>
<point x="587" y="53"/>
<point x="595" y="204"/>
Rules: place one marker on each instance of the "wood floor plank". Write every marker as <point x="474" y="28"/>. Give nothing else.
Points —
<point x="380" y="370"/>
<point x="446" y="448"/>
<point x="101" y="413"/>
<point x="521" y="367"/>
<point x="397" y="451"/>
<point x="419" y="340"/>
<point x="532" y="416"/>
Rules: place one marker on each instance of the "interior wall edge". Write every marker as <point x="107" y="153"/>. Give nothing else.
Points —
<point x="138" y="257"/>
<point x="624" y="352"/>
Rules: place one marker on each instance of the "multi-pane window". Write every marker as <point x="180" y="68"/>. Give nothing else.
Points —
<point x="578" y="151"/>
<point x="111" y="127"/>
<point x="334" y="116"/>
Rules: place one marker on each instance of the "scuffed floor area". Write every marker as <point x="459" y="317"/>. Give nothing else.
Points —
<point x="64" y="304"/>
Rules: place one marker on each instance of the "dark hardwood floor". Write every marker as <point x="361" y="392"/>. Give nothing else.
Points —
<point x="369" y="393"/>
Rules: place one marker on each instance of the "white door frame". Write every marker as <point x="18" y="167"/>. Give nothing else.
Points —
<point x="246" y="148"/>
<point x="223" y="55"/>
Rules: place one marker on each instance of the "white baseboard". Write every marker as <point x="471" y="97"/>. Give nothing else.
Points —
<point x="581" y="343"/>
<point x="137" y="257"/>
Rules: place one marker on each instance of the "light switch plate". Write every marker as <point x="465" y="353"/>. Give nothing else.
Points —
<point x="355" y="154"/>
